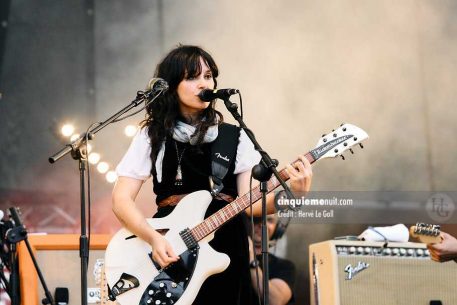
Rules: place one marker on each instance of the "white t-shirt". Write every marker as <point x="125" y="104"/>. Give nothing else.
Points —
<point x="136" y="162"/>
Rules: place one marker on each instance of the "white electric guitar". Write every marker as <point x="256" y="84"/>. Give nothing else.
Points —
<point x="134" y="278"/>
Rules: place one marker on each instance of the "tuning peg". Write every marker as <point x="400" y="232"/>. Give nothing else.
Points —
<point x="350" y="149"/>
<point x="342" y="157"/>
<point x="342" y="124"/>
<point x="324" y="135"/>
<point x="361" y="146"/>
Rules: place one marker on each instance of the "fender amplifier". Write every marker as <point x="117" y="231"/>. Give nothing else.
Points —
<point x="58" y="258"/>
<point x="372" y="273"/>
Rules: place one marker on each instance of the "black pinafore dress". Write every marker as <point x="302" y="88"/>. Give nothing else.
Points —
<point x="232" y="286"/>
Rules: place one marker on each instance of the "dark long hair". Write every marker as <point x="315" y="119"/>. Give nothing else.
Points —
<point x="181" y="62"/>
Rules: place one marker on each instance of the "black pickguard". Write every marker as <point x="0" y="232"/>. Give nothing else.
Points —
<point x="171" y="282"/>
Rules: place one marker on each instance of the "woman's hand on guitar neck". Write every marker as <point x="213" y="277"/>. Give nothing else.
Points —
<point x="162" y="252"/>
<point x="301" y="174"/>
<point x="444" y="251"/>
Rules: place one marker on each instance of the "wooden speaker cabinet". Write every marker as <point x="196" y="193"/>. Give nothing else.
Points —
<point x="357" y="272"/>
<point x="58" y="258"/>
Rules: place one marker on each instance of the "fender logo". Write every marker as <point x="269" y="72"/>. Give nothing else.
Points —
<point x="219" y="156"/>
<point x="352" y="271"/>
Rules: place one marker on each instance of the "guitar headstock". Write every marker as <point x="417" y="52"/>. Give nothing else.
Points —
<point x="426" y="233"/>
<point x="100" y="295"/>
<point x="338" y="141"/>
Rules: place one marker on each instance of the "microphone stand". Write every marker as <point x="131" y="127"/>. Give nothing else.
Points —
<point x="261" y="172"/>
<point x="16" y="234"/>
<point x="78" y="151"/>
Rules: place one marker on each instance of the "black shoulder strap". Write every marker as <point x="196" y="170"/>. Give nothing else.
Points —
<point x="223" y="154"/>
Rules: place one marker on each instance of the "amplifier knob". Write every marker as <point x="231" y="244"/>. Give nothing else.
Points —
<point x="420" y="252"/>
<point x="402" y="252"/>
<point x="410" y="252"/>
<point x="367" y="250"/>
<point x="426" y="253"/>
<point x="359" y="250"/>
<point x="352" y="250"/>
<point x="395" y="251"/>
<point x="387" y="251"/>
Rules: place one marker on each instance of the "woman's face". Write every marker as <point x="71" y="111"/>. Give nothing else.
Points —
<point x="189" y="88"/>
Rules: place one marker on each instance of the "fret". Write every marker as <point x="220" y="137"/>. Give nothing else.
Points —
<point x="273" y="181"/>
<point x="219" y="218"/>
<point x="215" y="221"/>
<point x="225" y="215"/>
<point x="212" y="226"/>
<point x="197" y="232"/>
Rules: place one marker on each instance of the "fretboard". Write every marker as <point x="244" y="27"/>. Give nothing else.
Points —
<point x="213" y="222"/>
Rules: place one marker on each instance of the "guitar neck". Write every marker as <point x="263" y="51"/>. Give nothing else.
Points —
<point x="213" y="222"/>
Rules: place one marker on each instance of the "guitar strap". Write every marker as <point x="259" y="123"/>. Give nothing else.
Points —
<point x="223" y="154"/>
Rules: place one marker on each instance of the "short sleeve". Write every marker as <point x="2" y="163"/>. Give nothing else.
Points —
<point x="246" y="155"/>
<point x="136" y="162"/>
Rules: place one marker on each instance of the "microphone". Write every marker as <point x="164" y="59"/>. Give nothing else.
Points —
<point x="207" y="95"/>
<point x="157" y="84"/>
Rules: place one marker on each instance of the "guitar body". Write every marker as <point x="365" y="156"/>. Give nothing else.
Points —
<point x="135" y="279"/>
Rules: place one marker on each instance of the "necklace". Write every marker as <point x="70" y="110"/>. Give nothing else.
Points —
<point x="178" y="178"/>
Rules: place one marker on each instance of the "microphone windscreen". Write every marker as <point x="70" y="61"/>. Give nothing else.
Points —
<point x="157" y="83"/>
<point x="206" y="95"/>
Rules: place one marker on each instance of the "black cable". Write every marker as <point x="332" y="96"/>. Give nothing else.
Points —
<point x="252" y="239"/>
<point x="241" y="104"/>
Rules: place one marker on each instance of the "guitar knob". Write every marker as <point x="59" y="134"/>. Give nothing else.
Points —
<point x="168" y="295"/>
<point x="151" y="292"/>
<point x="158" y="302"/>
<point x="174" y="285"/>
<point x="161" y="285"/>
